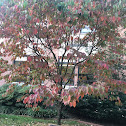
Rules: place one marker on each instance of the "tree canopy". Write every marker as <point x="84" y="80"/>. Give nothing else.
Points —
<point x="47" y="32"/>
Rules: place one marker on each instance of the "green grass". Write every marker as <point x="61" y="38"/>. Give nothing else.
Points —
<point x="14" y="120"/>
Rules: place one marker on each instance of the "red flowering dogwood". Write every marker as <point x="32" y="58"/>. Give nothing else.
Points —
<point x="57" y="38"/>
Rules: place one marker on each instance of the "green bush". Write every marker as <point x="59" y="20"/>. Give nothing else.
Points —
<point x="42" y="113"/>
<point x="11" y="99"/>
<point x="9" y="104"/>
<point x="96" y="109"/>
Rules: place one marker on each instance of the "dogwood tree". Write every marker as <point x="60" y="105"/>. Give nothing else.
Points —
<point x="50" y="34"/>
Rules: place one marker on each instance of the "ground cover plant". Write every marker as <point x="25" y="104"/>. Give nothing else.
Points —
<point x="10" y="120"/>
<point x="47" y="27"/>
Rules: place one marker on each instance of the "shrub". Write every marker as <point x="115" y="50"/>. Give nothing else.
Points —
<point x="94" y="108"/>
<point x="9" y="104"/>
<point x="42" y="113"/>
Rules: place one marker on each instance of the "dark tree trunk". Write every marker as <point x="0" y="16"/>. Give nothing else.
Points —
<point x="59" y="113"/>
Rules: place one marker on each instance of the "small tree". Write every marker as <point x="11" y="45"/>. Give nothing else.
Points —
<point x="44" y="28"/>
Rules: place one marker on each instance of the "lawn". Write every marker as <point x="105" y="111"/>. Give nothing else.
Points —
<point x="14" y="120"/>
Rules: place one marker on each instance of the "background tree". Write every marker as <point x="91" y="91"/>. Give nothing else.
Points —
<point x="45" y="27"/>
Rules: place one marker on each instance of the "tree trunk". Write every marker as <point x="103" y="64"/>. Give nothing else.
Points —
<point x="59" y="113"/>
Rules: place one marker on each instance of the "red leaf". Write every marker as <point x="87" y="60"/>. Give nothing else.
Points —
<point x="74" y="103"/>
<point x="125" y="92"/>
<point x="71" y="104"/>
<point x="26" y="100"/>
<point x="105" y="66"/>
<point x="38" y="20"/>
<point x="106" y="89"/>
<point x="71" y="38"/>
<point x="31" y="12"/>
<point x="102" y="18"/>
<point x="113" y="19"/>
<point x="119" y="18"/>
<point x="94" y="4"/>
<point x="68" y="47"/>
<point x="35" y="31"/>
<point x="29" y="58"/>
<point x="16" y="6"/>
<point x="10" y="77"/>
<point x="56" y="80"/>
<point x="23" y="30"/>
<point x="27" y="32"/>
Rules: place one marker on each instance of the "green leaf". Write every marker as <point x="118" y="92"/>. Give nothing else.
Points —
<point x="25" y="4"/>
